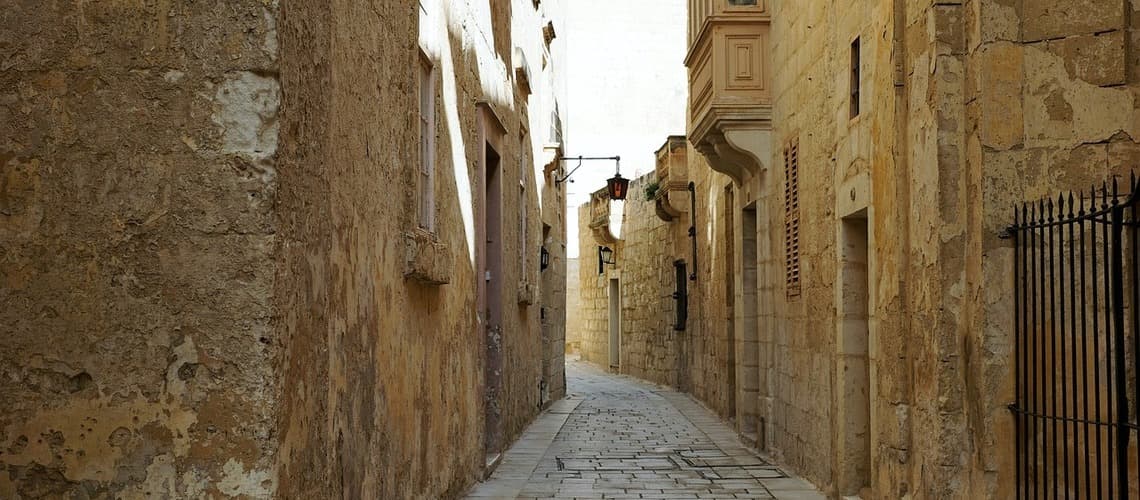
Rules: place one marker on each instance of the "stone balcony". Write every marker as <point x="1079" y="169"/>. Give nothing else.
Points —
<point x="730" y="101"/>
<point x="672" y="178"/>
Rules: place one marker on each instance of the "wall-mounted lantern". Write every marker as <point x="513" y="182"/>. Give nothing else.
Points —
<point x="543" y="259"/>
<point x="605" y="256"/>
<point x="618" y="186"/>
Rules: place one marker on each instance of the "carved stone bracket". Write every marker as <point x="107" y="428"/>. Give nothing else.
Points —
<point x="550" y="154"/>
<point x="600" y="218"/>
<point x="669" y="204"/>
<point x="426" y="259"/>
<point x="738" y="149"/>
<point x="672" y="176"/>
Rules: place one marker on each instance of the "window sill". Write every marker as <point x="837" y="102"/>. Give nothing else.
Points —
<point x="426" y="259"/>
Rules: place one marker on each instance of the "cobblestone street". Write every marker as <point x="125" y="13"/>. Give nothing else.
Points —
<point x="616" y="437"/>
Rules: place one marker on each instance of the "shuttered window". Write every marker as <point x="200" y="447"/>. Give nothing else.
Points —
<point x="792" y="217"/>
<point x="524" y="206"/>
<point x="425" y="181"/>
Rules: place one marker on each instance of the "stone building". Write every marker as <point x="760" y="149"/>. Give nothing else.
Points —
<point x="276" y="249"/>
<point x="855" y="165"/>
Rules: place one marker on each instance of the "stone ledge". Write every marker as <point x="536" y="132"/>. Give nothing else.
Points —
<point x="426" y="259"/>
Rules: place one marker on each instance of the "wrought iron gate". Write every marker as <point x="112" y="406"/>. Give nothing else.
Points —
<point x="1075" y="272"/>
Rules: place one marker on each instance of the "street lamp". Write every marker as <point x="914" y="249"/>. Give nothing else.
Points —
<point x="617" y="186"/>
<point x="543" y="259"/>
<point x="605" y="256"/>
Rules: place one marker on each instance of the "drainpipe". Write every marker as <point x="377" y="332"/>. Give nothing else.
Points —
<point x="693" y="227"/>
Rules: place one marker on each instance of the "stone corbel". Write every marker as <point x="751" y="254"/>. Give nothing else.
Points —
<point x="753" y="146"/>
<point x="600" y="218"/>
<point x="550" y="154"/>
<point x="601" y="230"/>
<point x="426" y="259"/>
<point x="670" y="207"/>
<point x="522" y="71"/>
<point x="738" y="153"/>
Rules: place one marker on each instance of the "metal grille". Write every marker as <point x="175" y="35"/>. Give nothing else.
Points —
<point x="792" y="217"/>
<point x="1075" y="275"/>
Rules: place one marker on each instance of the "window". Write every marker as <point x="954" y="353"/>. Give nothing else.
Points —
<point x="742" y="2"/>
<point x="426" y="178"/>
<point x="524" y="169"/>
<point x="792" y="217"/>
<point x="855" y="78"/>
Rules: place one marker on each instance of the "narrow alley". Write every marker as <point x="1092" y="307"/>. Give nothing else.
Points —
<point x="504" y="249"/>
<point x="617" y="437"/>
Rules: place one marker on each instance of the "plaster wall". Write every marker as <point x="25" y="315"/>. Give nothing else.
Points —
<point x="138" y="180"/>
<point x="211" y="280"/>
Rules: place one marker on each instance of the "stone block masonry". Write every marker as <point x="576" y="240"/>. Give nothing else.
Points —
<point x="853" y="298"/>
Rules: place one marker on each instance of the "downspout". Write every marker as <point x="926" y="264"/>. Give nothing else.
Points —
<point x="693" y="227"/>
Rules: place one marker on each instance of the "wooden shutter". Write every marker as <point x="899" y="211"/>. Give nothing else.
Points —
<point x="792" y="217"/>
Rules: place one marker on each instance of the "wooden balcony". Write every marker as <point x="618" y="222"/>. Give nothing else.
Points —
<point x="730" y="101"/>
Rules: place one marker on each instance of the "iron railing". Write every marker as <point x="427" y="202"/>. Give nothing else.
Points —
<point x="1075" y="272"/>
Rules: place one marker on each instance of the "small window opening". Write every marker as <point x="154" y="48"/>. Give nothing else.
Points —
<point x="524" y="220"/>
<point x="426" y="178"/>
<point x="855" y="78"/>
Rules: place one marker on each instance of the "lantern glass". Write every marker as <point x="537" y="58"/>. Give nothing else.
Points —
<point x="607" y="254"/>
<point x="618" y="187"/>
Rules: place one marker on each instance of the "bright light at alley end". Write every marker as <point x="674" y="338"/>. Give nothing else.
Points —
<point x="618" y="187"/>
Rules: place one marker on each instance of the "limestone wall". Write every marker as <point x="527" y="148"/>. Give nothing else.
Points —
<point x="207" y="217"/>
<point x="575" y="321"/>
<point x="1050" y="103"/>
<point x="138" y="179"/>
<point x="965" y="109"/>
<point x="650" y="345"/>
<point x="592" y="313"/>
<point x="711" y="373"/>
<point x="405" y="412"/>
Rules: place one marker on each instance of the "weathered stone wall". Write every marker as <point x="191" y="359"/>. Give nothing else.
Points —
<point x="807" y="90"/>
<point x="965" y="109"/>
<point x="193" y="310"/>
<point x="650" y="346"/>
<point x="698" y="359"/>
<point x="137" y="240"/>
<point x="575" y="321"/>
<point x="713" y="350"/>
<point x="1050" y="103"/>
<point x="402" y="413"/>
<point x="593" y="296"/>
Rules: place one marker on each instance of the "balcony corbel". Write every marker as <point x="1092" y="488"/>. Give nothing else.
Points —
<point x="737" y="147"/>
<point x="550" y="154"/>
<point x="669" y="205"/>
<point x="600" y="218"/>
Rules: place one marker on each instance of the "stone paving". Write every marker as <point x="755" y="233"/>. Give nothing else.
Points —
<point x="616" y="437"/>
